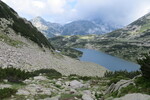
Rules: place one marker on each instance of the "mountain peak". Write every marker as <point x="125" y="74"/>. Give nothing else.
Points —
<point x="38" y="19"/>
<point x="47" y="28"/>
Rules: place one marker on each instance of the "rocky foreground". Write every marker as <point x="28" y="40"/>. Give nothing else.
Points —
<point x="68" y="88"/>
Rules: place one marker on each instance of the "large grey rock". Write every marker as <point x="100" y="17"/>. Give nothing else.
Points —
<point x="27" y="81"/>
<point x="42" y="78"/>
<point x="23" y="92"/>
<point x="87" y="97"/>
<point x="34" y="89"/>
<point x="2" y="86"/>
<point x="76" y="84"/>
<point x="134" y="96"/>
<point x="59" y="83"/>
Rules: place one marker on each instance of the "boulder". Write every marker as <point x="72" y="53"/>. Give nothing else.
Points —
<point x="23" y="92"/>
<point x="88" y="92"/>
<point x="2" y="86"/>
<point x="27" y="81"/>
<point x="34" y="89"/>
<point x="87" y="97"/>
<point x="42" y="78"/>
<point x="59" y="83"/>
<point x="134" y="96"/>
<point x="75" y="84"/>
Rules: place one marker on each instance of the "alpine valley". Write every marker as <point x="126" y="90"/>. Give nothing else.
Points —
<point x="127" y="43"/>
<point x="33" y="67"/>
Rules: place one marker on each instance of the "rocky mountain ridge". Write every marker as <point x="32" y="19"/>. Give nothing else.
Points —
<point x="47" y="28"/>
<point x="79" y="27"/>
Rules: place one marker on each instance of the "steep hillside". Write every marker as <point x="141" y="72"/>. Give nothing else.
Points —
<point x="47" y="28"/>
<point x="23" y="46"/>
<point x="20" y="26"/>
<point x="136" y="30"/>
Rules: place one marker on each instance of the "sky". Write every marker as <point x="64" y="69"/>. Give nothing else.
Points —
<point x="121" y="12"/>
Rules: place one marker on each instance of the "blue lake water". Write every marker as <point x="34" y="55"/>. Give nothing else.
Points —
<point x="110" y="62"/>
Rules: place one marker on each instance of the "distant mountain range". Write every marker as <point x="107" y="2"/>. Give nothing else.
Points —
<point x="79" y="27"/>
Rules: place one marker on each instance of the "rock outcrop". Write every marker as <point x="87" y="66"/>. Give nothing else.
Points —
<point x="119" y="85"/>
<point x="134" y="96"/>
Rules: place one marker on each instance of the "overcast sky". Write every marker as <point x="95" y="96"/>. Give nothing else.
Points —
<point x="121" y="12"/>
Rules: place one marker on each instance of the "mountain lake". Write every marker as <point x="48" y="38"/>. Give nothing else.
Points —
<point x="110" y="62"/>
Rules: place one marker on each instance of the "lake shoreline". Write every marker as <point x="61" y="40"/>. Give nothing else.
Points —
<point x="108" y="61"/>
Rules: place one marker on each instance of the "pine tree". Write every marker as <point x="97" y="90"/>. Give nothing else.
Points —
<point x="145" y="65"/>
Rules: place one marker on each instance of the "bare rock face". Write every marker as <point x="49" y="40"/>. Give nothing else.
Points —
<point x="134" y="96"/>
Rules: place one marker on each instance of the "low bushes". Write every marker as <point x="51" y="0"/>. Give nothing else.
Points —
<point x="119" y="75"/>
<point x="124" y="73"/>
<point x="6" y="92"/>
<point x="142" y="85"/>
<point x="77" y="77"/>
<point x="18" y="75"/>
<point x="51" y="73"/>
<point x="13" y="74"/>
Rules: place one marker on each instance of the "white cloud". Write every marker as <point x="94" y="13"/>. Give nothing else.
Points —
<point x="119" y="11"/>
<point x="56" y="6"/>
<point x="38" y="4"/>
